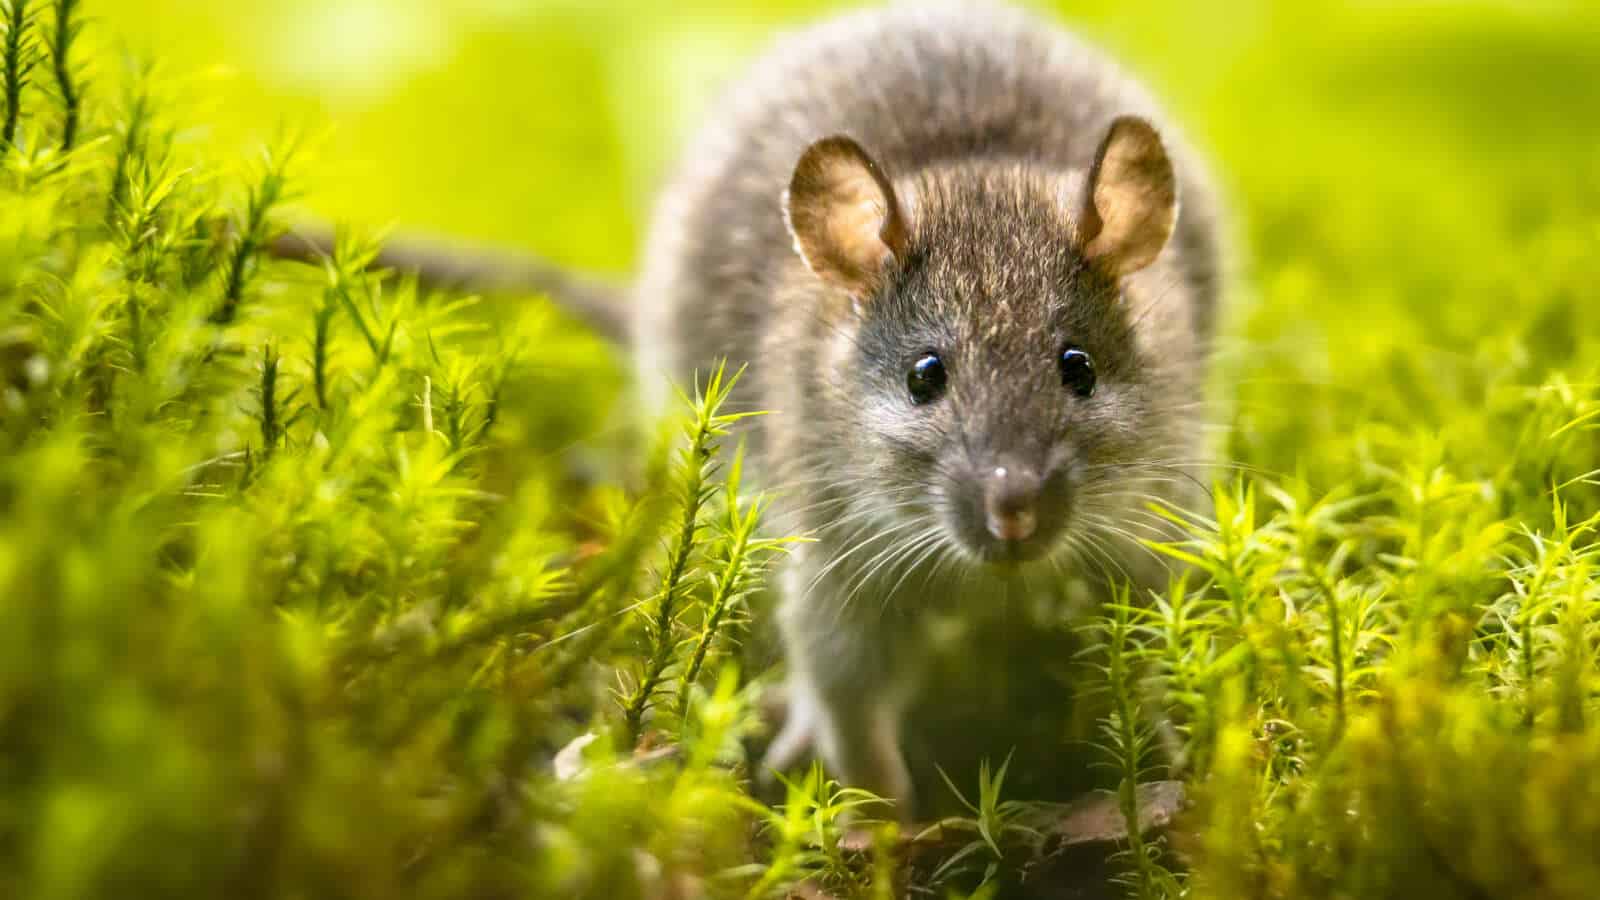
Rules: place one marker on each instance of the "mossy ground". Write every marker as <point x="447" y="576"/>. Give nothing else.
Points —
<point x="308" y="575"/>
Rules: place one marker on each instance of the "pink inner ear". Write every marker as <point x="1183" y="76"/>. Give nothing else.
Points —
<point x="857" y="223"/>
<point x="843" y="215"/>
<point x="1130" y="207"/>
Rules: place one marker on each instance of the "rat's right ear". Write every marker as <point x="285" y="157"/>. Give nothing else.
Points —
<point x="843" y="215"/>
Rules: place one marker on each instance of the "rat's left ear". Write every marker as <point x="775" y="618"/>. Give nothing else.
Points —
<point x="1131" y="202"/>
<point x="843" y="216"/>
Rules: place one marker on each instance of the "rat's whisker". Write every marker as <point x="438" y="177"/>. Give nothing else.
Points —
<point x="852" y="549"/>
<point x="890" y="550"/>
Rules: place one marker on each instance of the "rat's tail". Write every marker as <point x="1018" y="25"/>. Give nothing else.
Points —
<point x="477" y="268"/>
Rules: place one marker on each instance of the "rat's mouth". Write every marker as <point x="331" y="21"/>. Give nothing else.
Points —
<point x="984" y="548"/>
<point x="1009" y="554"/>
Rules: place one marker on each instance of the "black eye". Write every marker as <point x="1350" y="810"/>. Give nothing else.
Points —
<point x="925" y="381"/>
<point x="1077" y="371"/>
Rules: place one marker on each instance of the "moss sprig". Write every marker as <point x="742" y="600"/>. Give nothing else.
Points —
<point x="693" y="473"/>
<point x="739" y="559"/>
<point x="19" y="55"/>
<point x="64" y="34"/>
<point x="255" y="226"/>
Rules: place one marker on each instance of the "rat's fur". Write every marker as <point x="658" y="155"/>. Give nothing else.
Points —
<point x="985" y="121"/>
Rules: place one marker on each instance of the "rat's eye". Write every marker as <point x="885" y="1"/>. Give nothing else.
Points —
<point x="925" y="381"/>
<point x="1077" y="371"/>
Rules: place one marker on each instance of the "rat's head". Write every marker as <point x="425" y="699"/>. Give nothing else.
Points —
<point x="989" y="335"/>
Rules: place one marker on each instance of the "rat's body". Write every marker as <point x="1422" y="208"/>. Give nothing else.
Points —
<point x="958" y="222"/>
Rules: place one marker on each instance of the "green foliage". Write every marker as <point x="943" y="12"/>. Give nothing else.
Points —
<point x="1129" y="736"/>
<point x="806" y="832"/>
<point x="740" y="557"/>
<point x="64" y="32"/>
<point x="695" y="467"/>
<point x="1379" y="693"/>
<point x="302" y="598"/>
<point x="19" y="54"/>
<point x="995" y="825"/>
<point x="254" y="229"/>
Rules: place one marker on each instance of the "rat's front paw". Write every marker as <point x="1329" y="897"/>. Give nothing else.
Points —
<point x="795" y="739"/>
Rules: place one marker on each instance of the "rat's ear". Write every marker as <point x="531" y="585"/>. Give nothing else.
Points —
<point x="1131" y="202"/>
<point x="843" y="215"/>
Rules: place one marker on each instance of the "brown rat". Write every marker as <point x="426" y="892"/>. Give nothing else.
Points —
<point x="950" y="246"/>
<point x="973" y="273"/>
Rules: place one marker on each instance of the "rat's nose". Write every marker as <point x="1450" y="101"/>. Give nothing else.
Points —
<point x="1009" y="499"/>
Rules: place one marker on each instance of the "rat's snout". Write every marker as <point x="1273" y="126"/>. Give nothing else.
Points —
<point x="1010" y="503"/>
<point x="1009" y="511"/>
